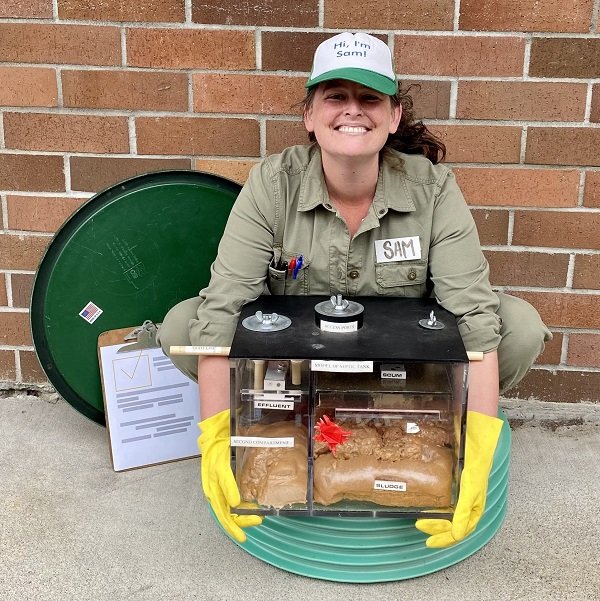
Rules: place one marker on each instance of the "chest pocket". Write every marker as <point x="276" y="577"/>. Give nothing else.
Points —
<point x="281" y="282"/>
<point x="402" y="279"/>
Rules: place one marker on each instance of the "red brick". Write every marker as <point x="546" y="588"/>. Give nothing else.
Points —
<point x="190" y="49"/>
<point x="236" y="170"/>
<point x="584" y="350"/>
<point x="281" y="134"/>
<point x="459" y="55"/>
<point x="94" y="174"/>
<point x="122" y="10"/>
<point x="289" y="50"/>
<point x="31" y="370"/>
<point x="39" y="213"/>
<point x="263" y="94"/>
<point x="60" y="44"/>
<point x="304" y="13"/>
<point x="130" y="90"/>
<point x="558" y="386"/>
<point x="431" y="99"/>
<point x="521" y="101"/>
<point x="71" y="133"/>
<point x="563" y="146"/>
<point x="565" y="310"/>
<point x="552" y="351"/>
<point x="585" y="275"/>
<point x="565" y="57"/>
<point x="197" y="135"/>
<point x="14" y="329"/>
<point x="526" y="15"/>
<point x="21" y="285"/>
<point x="591" y="195"/>
<point x="557" y="229"/>
<point x="24" y="86"/>
<point x="519" y="187"/>
<point x="410" y="14"/>
<point x="527" y="269"/>
<point x="3" y="293"/>
<point x="27" y="9"/>
<point x="21" y="252"/>
<point x="7" y="366"/>
<point x="480" y="143"/>
<point x="595" y="109"/>
<point x="492" y="226"/>
<point x="31" y="172"/>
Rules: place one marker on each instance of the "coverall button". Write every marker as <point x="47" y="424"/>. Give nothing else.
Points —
<point x="353" y="274"/>
<point x="412" y="274"/>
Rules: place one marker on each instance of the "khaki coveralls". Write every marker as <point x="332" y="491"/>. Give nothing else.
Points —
<point x="418" y="237"/>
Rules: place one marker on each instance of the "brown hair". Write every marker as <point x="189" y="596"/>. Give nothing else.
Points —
<point x="411" y="137"/>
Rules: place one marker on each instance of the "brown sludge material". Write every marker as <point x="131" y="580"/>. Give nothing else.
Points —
<point x="275" y="477"/>
<point x="421" y="460"/>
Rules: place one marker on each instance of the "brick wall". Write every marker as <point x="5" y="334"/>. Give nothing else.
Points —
<point x="94" y="92"/>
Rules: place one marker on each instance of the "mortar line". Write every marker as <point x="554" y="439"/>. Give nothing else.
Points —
<point x="262" y="130"/>
<point x="523" y="149"/>
<point x="60" y="99"/>
<point x="564" y="348"/>
<point x="55" y="16"/>
<point x="588" y="103"/>
<point x="258" y="49"/>
<point x="594" y="21"/>
<point x="132" y="135"/>
<point x="570" y="271"/>
<point x="527" y="56"/>
<point x="67" y="172"/>
<point x="4" y="204"/>
<point x="188" y="11"/>
<point x="456" y="16"/>
<point x="511" y="227"/>
<point x="123" y="46"/>
<point x="581" y="191"/>
<point x="453" y="99"/>
<point x="18" y="371"/>
<point x="321" y="13"/>
<point x="9" y="294"/>
<point x="190" y="83"/>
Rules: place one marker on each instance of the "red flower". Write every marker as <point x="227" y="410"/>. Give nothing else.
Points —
<point x="330" y="433"/>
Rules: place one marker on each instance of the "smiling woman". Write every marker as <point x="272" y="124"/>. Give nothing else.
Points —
<point x="365" y="209"/>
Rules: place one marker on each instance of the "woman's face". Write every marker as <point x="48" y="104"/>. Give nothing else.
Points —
<point x="351" y="120"/>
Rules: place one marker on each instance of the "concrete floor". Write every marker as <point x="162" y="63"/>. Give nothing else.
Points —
<point x="72" y="528"/>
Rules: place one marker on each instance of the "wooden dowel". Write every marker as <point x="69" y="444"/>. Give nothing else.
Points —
<point x="224" y="351"/>
<point x="200" y="350"/>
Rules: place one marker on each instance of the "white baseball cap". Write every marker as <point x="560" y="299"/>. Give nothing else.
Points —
<point x="357" y="57"/>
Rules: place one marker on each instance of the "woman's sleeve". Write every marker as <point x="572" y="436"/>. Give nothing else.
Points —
<point x="459" y="270"/>
<point x="239" y="272"/>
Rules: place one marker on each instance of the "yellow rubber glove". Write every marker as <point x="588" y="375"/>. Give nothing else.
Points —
<point x="482" y="437"/>
<point x="218" y="482"/>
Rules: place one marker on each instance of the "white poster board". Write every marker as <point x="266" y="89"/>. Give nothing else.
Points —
<point x="152" y="409"/>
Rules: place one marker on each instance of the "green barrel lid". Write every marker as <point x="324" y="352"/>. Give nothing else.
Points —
<point x="367" y="550"/>
<point x="133" y="250"/>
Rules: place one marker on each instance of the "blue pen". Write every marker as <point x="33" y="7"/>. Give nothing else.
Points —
<point x="298" y="266"/>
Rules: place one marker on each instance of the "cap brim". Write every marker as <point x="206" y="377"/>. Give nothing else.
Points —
<point x="378" y="82"/>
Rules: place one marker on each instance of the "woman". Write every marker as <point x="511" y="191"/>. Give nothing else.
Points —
<point x="370" y="177"/>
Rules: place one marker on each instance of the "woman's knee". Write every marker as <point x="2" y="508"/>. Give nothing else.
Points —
<point x="523" y="337"/>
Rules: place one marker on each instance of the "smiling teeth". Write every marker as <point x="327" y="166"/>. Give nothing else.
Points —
<point x="352" y="130"/>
